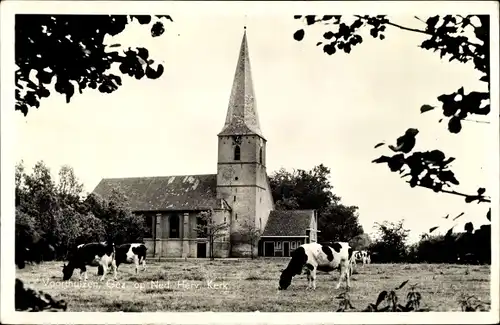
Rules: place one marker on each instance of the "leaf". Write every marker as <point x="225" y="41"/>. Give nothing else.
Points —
<point x="328" y="35"/>
<point x="470" y="198"/>
<point x="454" y="125"/>
<point x="461" y="214"/>
<point x="381" y="159"/>
<point x="310" y="19"/>
<point x="485" y="78"/>
<point x="379" y="144"/>
<point x="297" y="16"/>
<point x="329" y="49"/>
<point x="319" y="43"/>
<point x="488" y="215"/>
<point x="481" y="190"/>
<point x="432" y="21"/>
<point x="115" y="45"/>
<point x="402" y="284"/>
<point x="433" y="228"/>
<point x="426" y="108"/>
<point x="382" y="295"/>
<point x="157" y="29"/>
<point x="299" y="35"/>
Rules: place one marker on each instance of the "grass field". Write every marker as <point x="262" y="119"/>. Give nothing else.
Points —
<point x="246" y="285"/>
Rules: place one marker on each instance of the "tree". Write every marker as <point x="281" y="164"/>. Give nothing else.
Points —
<point x="360" y="242"/>
<point x="209" y="228"/>
<point x="390" y="245"/>
<point x="120" y="223"/>
<point x="70" y="51"/>
<point x="302" y="190"/>
<point x="447" y="36"/>
<point x="58" y="214"/>
<point x="250" y="234"/>
<point x="339" y="222"/>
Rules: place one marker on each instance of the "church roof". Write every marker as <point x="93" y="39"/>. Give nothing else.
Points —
<point x="288" y="223"/>
<point x="242" y="117"/>
<point x="187" y="192"/>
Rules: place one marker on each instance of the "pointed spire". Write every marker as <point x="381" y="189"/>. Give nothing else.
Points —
<point x="242" y="115"/>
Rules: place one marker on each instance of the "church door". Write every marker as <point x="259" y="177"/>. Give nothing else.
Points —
<point x="201" y="250"/>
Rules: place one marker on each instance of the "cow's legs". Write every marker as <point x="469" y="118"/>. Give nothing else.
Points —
<point x="105" y="270"/>
<point x="113" y="265"/>
<point x="136" y="262"/>
<point x="344" y="272"/>
<point x="308" y="273"/>
<point x="83" y="270"/>
<point x="313" y="278"/>
<point x="144" y="263"/>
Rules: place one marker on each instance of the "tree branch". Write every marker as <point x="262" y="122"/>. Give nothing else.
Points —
<point x="414" y="29"/>
<point x="475" y="121"/>
<point x="454" y="193"/>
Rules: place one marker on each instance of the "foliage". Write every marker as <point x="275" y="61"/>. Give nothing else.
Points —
<point x="390" y="245"/>
<point x="471" y="303"/>
<point x="69" y="51"/>
<point x="27" y="299"/>
<point x="390" y="300"/>
<point x="59" y="215"/>
<point x="249" y="233"/>
<point x="360" y="242"/>
<point x="121" y="224"/>
<point x="211" y="229"/>
<point x="339" y="223"/>
<point x="303" y="190"/>
<point x="344" y="302"/>
<point x="446" y="35"/>
<point x="387" y="301"/>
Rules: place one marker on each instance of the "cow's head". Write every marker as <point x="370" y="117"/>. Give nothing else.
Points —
<point x="67" y="272"/>
<point x="285" y="279"/>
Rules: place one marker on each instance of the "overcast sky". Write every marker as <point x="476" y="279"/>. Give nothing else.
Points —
<point x="313" y="109"/>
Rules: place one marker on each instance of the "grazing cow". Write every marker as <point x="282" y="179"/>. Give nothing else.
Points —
<point x="321" y="257"/>
<point x="361" y="256"/>
<point x="92" y="254"/>
<point x="131" y="253"/>
<point x="128" y="254"/>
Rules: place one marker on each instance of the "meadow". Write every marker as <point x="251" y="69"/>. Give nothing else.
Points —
<point x="251" y="285"/>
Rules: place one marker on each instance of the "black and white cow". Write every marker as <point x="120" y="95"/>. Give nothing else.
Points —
<point x="91" y="254"/>
<point x="314" y="256"/>
<point x="128" y="254"/>
<point x="131" y="253"/>
<point x="361" y="256"/>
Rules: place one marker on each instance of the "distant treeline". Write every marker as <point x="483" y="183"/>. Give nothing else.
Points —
<point x="470" y="247"/>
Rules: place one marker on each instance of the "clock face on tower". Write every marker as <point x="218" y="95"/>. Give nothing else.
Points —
<point x="228" y="173"/>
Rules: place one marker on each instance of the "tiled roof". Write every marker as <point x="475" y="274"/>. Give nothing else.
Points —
<point x="242" y="117"/>
<point x="288" y="223"/>
<point x="188" y="192"/>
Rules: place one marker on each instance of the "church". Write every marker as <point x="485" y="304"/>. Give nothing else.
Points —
<point x="238" y="195"/>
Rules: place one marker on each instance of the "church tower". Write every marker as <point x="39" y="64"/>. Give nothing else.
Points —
<point x="241" y="167"/>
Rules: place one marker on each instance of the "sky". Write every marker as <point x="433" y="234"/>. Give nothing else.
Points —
<point x="313" y="109"/>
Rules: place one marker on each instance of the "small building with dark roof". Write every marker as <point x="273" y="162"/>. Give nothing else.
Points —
<point x="238" y="195"/>
<point x="287" y="230"/>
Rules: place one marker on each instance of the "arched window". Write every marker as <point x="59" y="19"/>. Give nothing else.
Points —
<point x="237" y="153"/>
<point x="260" y="155"/>
<point x="174" y="226"/>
